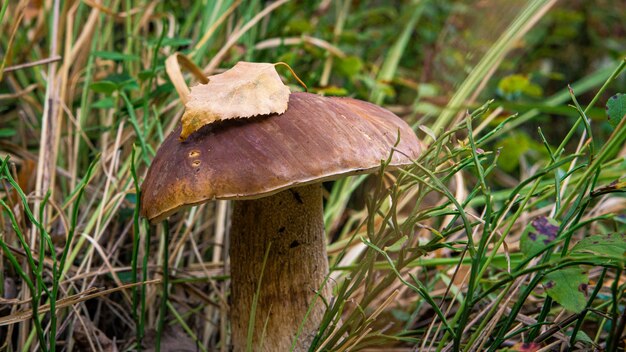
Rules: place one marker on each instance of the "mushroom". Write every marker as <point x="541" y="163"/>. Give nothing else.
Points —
<point x="272" y="166"/>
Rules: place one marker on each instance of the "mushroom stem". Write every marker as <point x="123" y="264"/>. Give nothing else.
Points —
<point x="292" y="222"/>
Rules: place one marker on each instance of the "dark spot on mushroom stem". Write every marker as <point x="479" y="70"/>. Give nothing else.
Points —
<point x="297" y="197"/>
<point x="281" y="229"/>
<point x="294" y="244"/>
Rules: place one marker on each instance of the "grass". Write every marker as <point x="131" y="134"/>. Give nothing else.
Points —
<point x="457" y="252"/>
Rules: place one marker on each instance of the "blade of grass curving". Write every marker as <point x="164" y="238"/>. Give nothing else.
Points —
<point x="135" y="251"/>
<point x="615" y="142"/>
<point x="46" y="241"/>
<point x="149" y="85"/>
<point x="338" y="199"/>
<point x="492" y="132"/>
<point x="477" y="268"/>
<point x="144" y="278"/>
<point x="235" y="36"/>
<point x="186" y="327"/>
<point x="255" y="302"/>
<point x="70" y="234"/>
<point x="440" y="187"/>
<point x="583" y="117"/>
<point x="128" y="28"/>
<point x="165" y="290"/>
<point x="557" y="177"/>
<point x="249" y="38"/>
<point x="522" y="23"/>
<point x="57" y="270"/>
<point x="419" y="290"/>
<point x="540" y="273"/>
<point x="212" y="24"/>
<point x="617" y="292"/>
<point x="306" y="315"/>
<point x="85" y="107"/>
<point x="146" y="151"/>
<point x="528" y="195"/>
<point x="392" y="60"/>
<point x="607" y="75"/>
<point x="34" y="287"/>
<point x="25" y="277"/>
<point x="3" y="10"/>
<point x="194" y="18"/>
<point x="332" y="314"/>
<point x="44" y="237"/>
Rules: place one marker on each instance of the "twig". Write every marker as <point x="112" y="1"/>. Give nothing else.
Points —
<point x="34" y="63"/>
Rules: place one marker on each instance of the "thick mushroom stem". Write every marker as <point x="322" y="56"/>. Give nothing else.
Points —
<point x="291" y="223"/>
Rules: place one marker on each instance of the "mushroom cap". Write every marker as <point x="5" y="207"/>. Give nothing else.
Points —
<point x="317" y="139"/>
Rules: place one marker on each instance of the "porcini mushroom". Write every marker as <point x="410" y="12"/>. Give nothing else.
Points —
<point x="272" y="167"/>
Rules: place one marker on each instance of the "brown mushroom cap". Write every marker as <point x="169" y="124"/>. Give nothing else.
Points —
<point x="316" y="139"/>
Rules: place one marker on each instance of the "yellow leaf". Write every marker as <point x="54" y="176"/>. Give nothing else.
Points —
<point x="248" y="89"/>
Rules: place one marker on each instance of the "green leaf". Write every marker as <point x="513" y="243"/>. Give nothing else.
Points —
<point x="568" y="287"/>
<point x="119" y="78"/>
<point x="130" y="85"/>
<point x="581" y="336"/>
<point x="7" y="132"/>
<point x="106" y="103"/>
<point x="115" y="56"/>
<point x="146" y="74"/>
<point x="162" y="89"/>
<point x="350" y="66"/>
<point x="607" y="245"/>
<point x="123" y="81"/>
<point x="511" y="148"/>
<point x="125" y="276"/>
<point x="539" y="233"/>
<point x="106" y="87"/>
<point x="513" y="86"/>
<point x="616" y="109"/>
<point x="298" y="25"/>
<point x="173" y="41"/>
